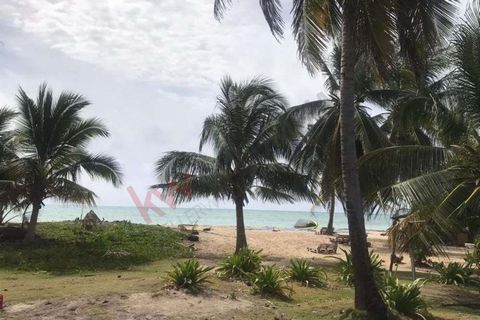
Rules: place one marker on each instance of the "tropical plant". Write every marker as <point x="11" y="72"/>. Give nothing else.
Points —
<point x="376" y="29"/>
<point x="405" y="298"/>
<point x="453" y="273"/>
<point x="248" y="135"/>
<point x="52" y="148"/>
<point x="240" y="264"/>
<point x="319" y="150"/>
<point x="472" y="258"/>
<point x="8" y="198"/>
<point x="272" y="281"/>
<point x="189" y="275"/>
<point x="345" y="267"/>
<point x="306" y="273"/>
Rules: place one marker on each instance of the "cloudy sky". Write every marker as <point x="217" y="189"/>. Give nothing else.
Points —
<point x="150" y="68"/>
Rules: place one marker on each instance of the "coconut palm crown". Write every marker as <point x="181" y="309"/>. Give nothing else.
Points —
<point x="52" y="151"/>
<point x="249" y="136"/>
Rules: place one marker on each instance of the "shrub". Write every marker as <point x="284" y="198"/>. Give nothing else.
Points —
<point x="405" y="298"/>
<point x="453" y="273"/>
<point x="271" y="280"/>
<point x="345" y="267"/>
<point x="189" y="275"/>
<point x="65" y="247"/>
<point x="239" y="265"/>
<point x="306" y="273"/>
<point x="472" y="258"/>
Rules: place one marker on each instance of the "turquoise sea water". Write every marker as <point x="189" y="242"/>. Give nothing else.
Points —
<point x="204" y="216"/>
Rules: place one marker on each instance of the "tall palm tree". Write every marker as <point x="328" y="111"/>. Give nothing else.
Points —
<point x="7" y="153"/>
<point x="52" y="151"/>
<point x="320" y="149"/>
<point x="248" y="135"/>
<point x="374" y="28"/>
<point x="440" y="184"/>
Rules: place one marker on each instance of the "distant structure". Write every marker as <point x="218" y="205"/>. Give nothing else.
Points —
<point x="91" y="220"/>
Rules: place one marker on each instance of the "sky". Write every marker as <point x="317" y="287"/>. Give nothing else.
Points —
<point x="151" y="70"/>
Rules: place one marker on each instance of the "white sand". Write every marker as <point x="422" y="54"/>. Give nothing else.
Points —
<point x="283" y="245"/>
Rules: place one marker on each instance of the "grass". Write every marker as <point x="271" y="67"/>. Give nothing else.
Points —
<point x="153" y="250"/>
<point x="65" y="247"/>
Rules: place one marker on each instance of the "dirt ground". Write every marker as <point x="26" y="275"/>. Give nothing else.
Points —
<point x="140" y="294"/>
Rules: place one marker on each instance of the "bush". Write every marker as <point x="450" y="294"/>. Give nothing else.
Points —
<point x="345" y="267"/>
<point x="239" y="265"/>
<point x="271" y="280"/>
<point x="453" y="273"/>
<point x="65" y="247"/>
<point x="189" y="275"/>
<point x="306" y="273"/>
<point x="405" y="298"/>
<point x="472" y="258"/>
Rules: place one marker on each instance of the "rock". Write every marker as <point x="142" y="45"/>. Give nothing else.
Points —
<point x="305" y="223"/>
<point x="195" y="232"/>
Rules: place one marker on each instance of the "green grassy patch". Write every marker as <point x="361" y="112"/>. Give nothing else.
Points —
<point x="66" y="247"/>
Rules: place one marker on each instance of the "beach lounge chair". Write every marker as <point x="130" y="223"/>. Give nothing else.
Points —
<point x="323" y="231"/>
<point x="341" y="239"/>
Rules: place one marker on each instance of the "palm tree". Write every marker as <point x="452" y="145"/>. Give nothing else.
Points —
<point x="7" y="153"/>
<point x="320" y="150"/>
<point x="374" y="28"/>
<point x="440" y="184"/>
<point x="421" y="111"/>
<point x="52" y="151"/>
<point x="248" y="135"/>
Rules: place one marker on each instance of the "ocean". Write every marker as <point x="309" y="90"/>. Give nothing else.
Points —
<point x="258" y="219"/>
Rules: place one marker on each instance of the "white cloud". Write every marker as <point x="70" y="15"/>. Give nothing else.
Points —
<point x="151" y="68"/>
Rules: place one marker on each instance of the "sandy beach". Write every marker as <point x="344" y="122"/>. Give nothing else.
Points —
<point x="283" y="245"/>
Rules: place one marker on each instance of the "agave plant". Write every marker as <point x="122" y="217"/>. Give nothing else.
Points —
<point x="405" y="298"/>
<point x="241" y="264"/>
<point x="189" y="275"/>
<point x="271" y="280"/>
<point x="345" y="267"/>
<point x="453" y="273"/>
<point x="306" y="273"/>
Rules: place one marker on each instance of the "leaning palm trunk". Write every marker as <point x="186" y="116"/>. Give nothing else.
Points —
<point x="241" y="236"/>
<point x="367" y="296"/>
<point x="32" y="224"/>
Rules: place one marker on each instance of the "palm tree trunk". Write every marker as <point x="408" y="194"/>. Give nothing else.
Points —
<point x="241" y="236"/>
<point x="331" y="214"/>
<point x="32" y="225"/>
<point x="367" y="296"/>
